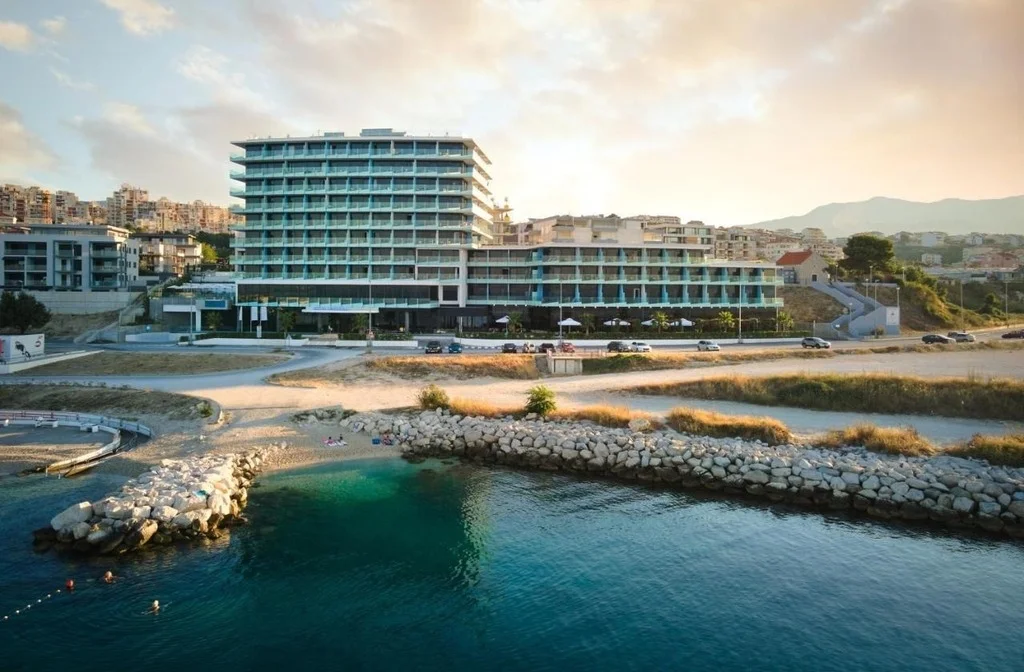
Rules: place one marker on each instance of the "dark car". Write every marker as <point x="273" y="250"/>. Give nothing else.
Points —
<point x="455" y="348"/>
<point x="936" y="339"/>
<point x="815" y="342"/>
<point x="1014" y="334"/>
<point x="618" y="346"/>
<point x="546" y="348"/>
<point x="433" y="347"/>
<point x="509" y="349"/>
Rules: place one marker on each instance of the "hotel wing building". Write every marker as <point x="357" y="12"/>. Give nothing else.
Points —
<point x="404" y="227"/>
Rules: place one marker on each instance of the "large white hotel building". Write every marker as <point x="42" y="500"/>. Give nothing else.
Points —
<point x="404" y="227"/>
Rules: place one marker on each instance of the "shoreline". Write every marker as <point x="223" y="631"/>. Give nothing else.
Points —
<point x="359" y="447"/>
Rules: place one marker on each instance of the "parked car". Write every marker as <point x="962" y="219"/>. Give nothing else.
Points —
<point x="936" y="339"/>
<point x="815" y="342"/>
<point x="529" y="348"/>
<point x="567" y="347"/>
<point x="707" y="346"/>
<point x="639" y="346"/>
<point x="546" y="348"/>
<point x="1014" y="334"/>
<point x="961" y="336"/>
<point x="433" y="347"/>
<point x="509" y="349"/>
<point x="618" y="346"/>
<point x="455" y="348"/>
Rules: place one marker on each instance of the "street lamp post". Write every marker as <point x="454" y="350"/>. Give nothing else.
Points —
<point x="559" y="311"/>
<point x="961" y="304"/>
<point x="1006" y="302"/>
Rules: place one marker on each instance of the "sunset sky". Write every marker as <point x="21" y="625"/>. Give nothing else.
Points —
<point x="730" y="111"/>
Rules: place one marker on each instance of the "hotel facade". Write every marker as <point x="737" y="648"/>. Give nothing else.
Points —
<point x="404" y="227"/>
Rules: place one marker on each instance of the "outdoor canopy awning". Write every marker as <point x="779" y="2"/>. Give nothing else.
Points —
<point x="503" y="320"/>
<point x="569" y="322"/>
<point x="615" y="322"/>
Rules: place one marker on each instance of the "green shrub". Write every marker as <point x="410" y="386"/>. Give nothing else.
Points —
<point x="540" y="400"/>
<point x="433" y="397"/>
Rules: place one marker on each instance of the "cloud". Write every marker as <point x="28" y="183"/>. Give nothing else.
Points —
<point x="15" y="36"/>
<point x="142" y="17"/>
<point x="21" y="151"/>
<point x="55" y="26"/>
<point x="213" y="69"/>
<point x="128" y="117"/>
<point x="67" y="81"/>
<point x="185" y="158"/>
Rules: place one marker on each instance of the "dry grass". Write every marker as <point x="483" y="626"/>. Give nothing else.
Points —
<point x="485" y="409"/>
<point x="109" y="363"/>
<point x="659" y="362"/>
<point x="94" y="399"/>
<point x="996" y="399"/>
<point x="606" y="415"/>
<point x="891" y="440"/>
<point x="516" y="367"/>
<point x="806" y="304"/>
<point x="1006" y="450"/>
<point x="70" y="326"/>
<point x="709" y="423"/>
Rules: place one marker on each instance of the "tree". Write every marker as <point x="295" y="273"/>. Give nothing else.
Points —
<point x="993" y="305"/>
<point x="726" y="320"/>
<point x="784" y="321"/>
<point x="360" y="323"/>
<point x="865" y="254"/>
<point x="212" y="320"/>
<point x="588" y="321"/>
<point x="515" y="323"/>
<point x="286" y="320"/>
<point x="209" y="254"/>
<point x="660" y="320"/>
<point x="22" y="312"/>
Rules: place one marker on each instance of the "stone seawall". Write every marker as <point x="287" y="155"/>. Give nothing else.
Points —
<point x="952" y="491"/>
<point x="178" y="500"/>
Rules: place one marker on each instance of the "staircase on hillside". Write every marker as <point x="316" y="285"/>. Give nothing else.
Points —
<point x="865" y="314"/>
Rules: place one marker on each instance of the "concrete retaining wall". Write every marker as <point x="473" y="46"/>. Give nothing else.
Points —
<point x="595" y="343"/>
<point x="40" y="361"/>
<point x="84" y="303"/>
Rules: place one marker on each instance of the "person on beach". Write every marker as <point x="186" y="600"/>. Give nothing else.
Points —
<point x="108" y="577"/>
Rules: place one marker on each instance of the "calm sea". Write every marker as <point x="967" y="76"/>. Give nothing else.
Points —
<point x="387" y="565"/>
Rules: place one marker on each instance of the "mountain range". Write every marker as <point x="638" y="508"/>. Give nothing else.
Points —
<point x="890" y="215"/>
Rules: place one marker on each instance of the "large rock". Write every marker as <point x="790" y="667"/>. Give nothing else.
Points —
<point x="163" y="514"/>
<point x="140" y="534"/>
<point x="757" y="477"/>
<point x="963" y="504"/>
<point x="98" y="536"/>
<point x="219" y="503"/>
<point x="77" y="513"/>
<point x="80" y="530"/>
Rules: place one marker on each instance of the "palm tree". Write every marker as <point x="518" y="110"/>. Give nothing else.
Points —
<point x="784" y="322"/>
<point x="515" y="323"/>
<point x="660" y="320"/>
<point x="588" y="321"/>
<point x="726" y="320"/>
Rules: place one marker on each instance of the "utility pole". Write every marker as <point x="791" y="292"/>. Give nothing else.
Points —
<point x="191" y="316"/>
<point x="559" y="310"/>
<point x="739" y="322"/>
<point x="1006" y="301"/>
<point x="961" y="304"/>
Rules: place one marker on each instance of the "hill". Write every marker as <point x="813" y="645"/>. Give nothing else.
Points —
<point x="952" y="215"/>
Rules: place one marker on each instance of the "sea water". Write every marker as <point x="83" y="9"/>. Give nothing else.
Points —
<point x="388" y="565"/>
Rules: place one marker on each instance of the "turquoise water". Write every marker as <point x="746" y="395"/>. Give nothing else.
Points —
<point x="384" y="565"/>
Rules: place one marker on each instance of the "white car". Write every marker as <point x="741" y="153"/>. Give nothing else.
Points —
<point x="639" y="346"/>
<point x="707" y="346"/>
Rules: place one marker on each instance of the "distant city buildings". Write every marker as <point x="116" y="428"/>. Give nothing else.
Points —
<point x="128" y="207"/>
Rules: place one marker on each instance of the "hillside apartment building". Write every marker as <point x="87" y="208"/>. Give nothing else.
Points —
<point x="403" y="227"/>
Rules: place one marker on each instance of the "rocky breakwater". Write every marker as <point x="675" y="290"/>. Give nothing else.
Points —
<point x="177" y="500"/>
<point x="952" y="491"/>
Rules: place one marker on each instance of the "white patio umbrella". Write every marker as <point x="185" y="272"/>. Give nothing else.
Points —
<point x="503" y="320"/>
<point x="569" y="322"/>
<point x="616" y="322"/>
<point x="681" y="322"/>
<point x="648" y="323"/>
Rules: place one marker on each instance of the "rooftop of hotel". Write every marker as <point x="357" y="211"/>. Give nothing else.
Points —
<point x="366" y="134"/>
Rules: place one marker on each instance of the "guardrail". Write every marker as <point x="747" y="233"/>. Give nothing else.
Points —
<point x="79" y="419"/>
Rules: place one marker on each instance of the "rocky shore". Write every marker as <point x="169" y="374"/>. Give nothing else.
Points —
<point x="178" y="500"/>
<point x="955" y="492"/>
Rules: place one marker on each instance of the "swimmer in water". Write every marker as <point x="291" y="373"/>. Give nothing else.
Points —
<point x="108" y="577"/>
<point x="155" y="607"/>
<point x="70" y="585"/>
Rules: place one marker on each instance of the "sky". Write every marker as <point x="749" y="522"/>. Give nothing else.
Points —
<point x="728" y="111"/>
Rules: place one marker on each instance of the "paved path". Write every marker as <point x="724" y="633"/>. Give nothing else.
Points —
<point x="237" y="390"/>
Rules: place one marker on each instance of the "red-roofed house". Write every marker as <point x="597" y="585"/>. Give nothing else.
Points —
<point x="802" y="268"/>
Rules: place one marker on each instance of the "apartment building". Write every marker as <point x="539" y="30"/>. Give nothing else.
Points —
<point x="403" y="227"/>
<point x="167" y="255"/>
<point x="71" y="268"/>
<point x="738" y="244"/>
<point x="124" y="204"/>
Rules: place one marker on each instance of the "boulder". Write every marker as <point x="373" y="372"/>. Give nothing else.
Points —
<point x="756" y="477"/>
<point x="99" y="535"/>
<point x="80" y="530"/>
<point x="77" y="513"/>
<point x="219" y="503"/>
<point x="163" y="514"/>
<point x="963" y="504"/>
